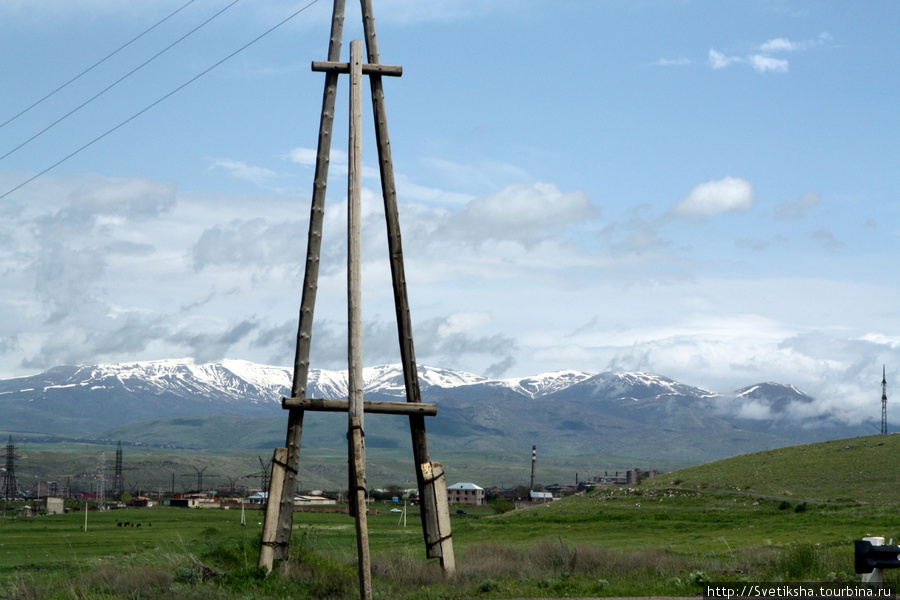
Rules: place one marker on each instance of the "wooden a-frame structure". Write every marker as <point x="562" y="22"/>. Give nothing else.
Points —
<point x="429" y="474"/>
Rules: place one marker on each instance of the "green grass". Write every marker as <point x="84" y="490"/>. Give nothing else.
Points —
<point x="663" y="537"/>
<point x="615" y="541"/>
<point x="859" y="469"/>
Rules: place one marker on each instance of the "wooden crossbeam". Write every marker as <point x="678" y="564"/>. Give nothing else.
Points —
<point x="343" y="405"/>
<point x="324" y="66"/>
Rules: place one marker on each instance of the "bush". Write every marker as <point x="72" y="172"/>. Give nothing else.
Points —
<point x="801" y="560"/>
<point x="489" y="585"/>
<point x="502" y="505"/>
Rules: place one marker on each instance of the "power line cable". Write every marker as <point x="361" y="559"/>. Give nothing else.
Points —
<point x="118" y="81"/>
<point x="96" y="64"/>
<point x="139" y="113"/>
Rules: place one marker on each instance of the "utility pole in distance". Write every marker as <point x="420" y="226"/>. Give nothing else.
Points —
<point x="883" y="401"/>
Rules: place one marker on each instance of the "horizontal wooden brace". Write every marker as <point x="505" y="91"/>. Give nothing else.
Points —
<point x="322" y="66"/>
<point x="343" y="405"/>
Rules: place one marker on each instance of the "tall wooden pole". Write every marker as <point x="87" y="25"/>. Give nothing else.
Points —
<point x="285" y="514"/>
<point x="437" y="538"/>
<point x="357" y="449"/>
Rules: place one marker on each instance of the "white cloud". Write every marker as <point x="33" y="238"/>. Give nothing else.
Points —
<point x="717" y="60"/>
<point x="240" y="170"/>
<point x="778" y="45"/>
<point x="797" y="209"/>
<point x="763" y="63"/>
<point x="827" y="239"/>
<point x="673" y="62"/>
<point x="523" y="212"/>
<point x="786" y="45"/>
<point x="302" y="156"/>
<point x="463" y="322"/>
<point x="729" y="194"/>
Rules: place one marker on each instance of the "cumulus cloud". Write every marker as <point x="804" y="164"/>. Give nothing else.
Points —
<point x="730" y="194"/>
<point x="827" y="239"/>
<point x="672" y="62"/>
<point x="764" y="60"/>
<point x="762" y="64"/>
<point x="778" y="45"/>
<point x="240" y="170"/>
<point x="717" y="60"/>
<point x="797" y="208"/>
<point x="785" y="45"/>
<point x="253" y="243"/>
<point x="213" y="343"/>
<point x="528" y="275"/>
<point x="448" y="338"/>
<point x="759" y="244"/>
<point x="524" y="213"/>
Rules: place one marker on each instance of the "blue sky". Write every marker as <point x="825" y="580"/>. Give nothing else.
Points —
<point x="705" y="190"/>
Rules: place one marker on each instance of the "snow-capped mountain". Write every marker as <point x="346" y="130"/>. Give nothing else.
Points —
<point x="546" y="383"/>
<point x="573" y="412"/>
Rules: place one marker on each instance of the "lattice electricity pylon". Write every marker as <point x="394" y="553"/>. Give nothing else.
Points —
<point x="262" y="474"/>
<point x="118" y="486"/>
<point x="286" y="461"/>
<point x="10" y="487"/>
<point x="199" y="473"/>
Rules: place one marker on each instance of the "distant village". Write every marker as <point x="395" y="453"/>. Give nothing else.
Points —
<point x="53" y="498"/>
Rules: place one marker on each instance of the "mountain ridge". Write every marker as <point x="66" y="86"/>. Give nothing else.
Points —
<point x="566" y="412"/>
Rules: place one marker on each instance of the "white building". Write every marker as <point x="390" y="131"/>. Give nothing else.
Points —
<point x="465" y="493"/>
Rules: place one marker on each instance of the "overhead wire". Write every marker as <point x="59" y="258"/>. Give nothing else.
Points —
<point x="119" y="80"/>
<point x="97" y="64"/>
<point x="171" y="93"/>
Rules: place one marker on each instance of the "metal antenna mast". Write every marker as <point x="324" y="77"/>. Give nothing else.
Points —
<point x="883" y="401"/>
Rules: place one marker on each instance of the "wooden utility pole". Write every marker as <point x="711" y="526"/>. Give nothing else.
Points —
<point x="429" y="474"/>
<point x="285" y="513"/>
<point x="355" y="433"/>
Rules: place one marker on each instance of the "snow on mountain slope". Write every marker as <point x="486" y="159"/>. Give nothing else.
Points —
<point x="546" y="383"/>
<point x="385" y="380"/>
<point x="637" y="385"/>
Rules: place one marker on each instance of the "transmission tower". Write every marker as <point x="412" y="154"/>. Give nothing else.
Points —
<point x="101" y="484"/>
<point x="118" y="479"/>
<point x="883" y="401"/>
<point x="10" y="487"/>
<point x="199" y="473"/>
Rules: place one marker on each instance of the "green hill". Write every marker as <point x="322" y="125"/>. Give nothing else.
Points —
<point x="861" y="469"/>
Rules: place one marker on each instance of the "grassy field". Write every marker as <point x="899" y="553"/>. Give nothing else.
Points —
<point x="859" y="469"/>
<point x="618" y="541"/>
<point x="664" y="537"/>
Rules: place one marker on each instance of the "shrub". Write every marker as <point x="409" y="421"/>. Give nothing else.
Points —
<point x="800" y="560"/>
<point x="502" y="505"/>
<point x="19" y="589"/>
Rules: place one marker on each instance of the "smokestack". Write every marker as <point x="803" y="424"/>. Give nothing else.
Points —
<point x="533" y="461"/>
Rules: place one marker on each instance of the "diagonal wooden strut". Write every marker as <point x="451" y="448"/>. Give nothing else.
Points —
<point x="438" y="542"/>
<point x="429" y="475"/>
